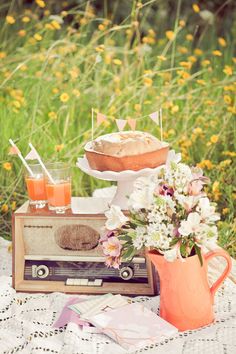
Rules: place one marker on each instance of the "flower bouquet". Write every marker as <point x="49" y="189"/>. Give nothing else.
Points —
<point x="171" y="217"/>
<point x="168" y="212"/>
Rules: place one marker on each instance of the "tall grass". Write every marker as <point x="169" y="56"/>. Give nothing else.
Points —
<point x="54" y="69"/>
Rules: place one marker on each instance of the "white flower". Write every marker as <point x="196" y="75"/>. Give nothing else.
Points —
<point x="171" y="255"/>
<point x="187" y="202"/>
<point x="191" y="225"/>
<point x="115" y="218"/>
<point x="207" y="211"/>
<point x="207" y="235"/>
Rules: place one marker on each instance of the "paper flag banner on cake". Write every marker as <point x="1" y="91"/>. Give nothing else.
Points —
<point x="32" y="155"/>
<point x="155" y="117"/>
<point x="13" y="150"/>
<point x="121" y="123"/>
<point x="101" y="118"/>
<point x="132" y="123"/>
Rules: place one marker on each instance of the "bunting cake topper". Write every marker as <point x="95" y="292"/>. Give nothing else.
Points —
<point x="155" y="116"/>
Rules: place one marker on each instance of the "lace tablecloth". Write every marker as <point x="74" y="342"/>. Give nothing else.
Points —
<point x="26" y="324"/>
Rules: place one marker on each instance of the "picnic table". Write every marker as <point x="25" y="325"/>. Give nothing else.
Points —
<point x="26" y="322"/>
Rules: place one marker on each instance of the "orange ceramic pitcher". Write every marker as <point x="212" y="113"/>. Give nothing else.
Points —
<point x="186" y="299"/>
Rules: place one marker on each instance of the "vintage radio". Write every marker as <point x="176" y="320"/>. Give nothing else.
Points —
<point x="53" y="252"/>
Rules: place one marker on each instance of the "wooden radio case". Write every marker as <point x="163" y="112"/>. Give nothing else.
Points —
<point x="61" y="252"/>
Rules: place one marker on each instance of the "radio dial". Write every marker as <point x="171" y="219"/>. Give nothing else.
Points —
<point x="126" y="273"/>
<point x="42" y="271"/>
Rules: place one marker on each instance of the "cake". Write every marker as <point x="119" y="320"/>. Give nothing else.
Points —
<point x="129" y="150"/>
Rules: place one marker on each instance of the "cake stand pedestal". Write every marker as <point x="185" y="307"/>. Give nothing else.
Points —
<point x="124" y="179"/>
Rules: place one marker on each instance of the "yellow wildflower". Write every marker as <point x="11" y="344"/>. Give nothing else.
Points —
<point x="117" y="91"/>
<point x="205" y="62"/>
<point x="147" y="81"/>
<point x="198" y="51"/>
<point x="214" y="139"/>
<point x="25" y="19"/>
<point x="183" y="74"/>
<point x="231" y="109"/>
<point x="196" y="8"/>
<point x="215" y="186"/>
<point x="224" y="163"/>
<point x="74" y="73"/>
<point x="107" y="59"/>
<point x="117" y="61"/>
<point x="10" y="20"/>
<point x="16" y="104"/>
<point x="161" y="58"/>
<point x="100" y="48"/>
<point x="58" y="148"/>
<point x="56" y="25"/>
<point x="228" y="70"/>
<point x="76" y="93"/>
<point x="234" y="60"/>
<point x="40" y="3"/>
<point x="52" y="115"/>
<point x="64" y="97"/>
<point x="197" y="131"/>
<point x="182" y="50"/>
<point x="101" y="27"/>
<point x="175" y="109"/>
<point x="192" y="59"/>
<point x="227" y="99"/>
<point x="47" y="13"/>
<point x="3" y="55"/>
<point x="182" y="23"/>
<point x="55" y="90"/>
<point x="49" y="26"/>
<point x="186" y="64"/>
<point x="38" y="37"/>
<point x="138" y="107"/>
<point x="222" y="42"/>
<point x="21" y="33"/>
<point x="189" y="37"/>
<point x="170" y="35"/>
<point x="229" y="153"/>
<point x="225" y="211"/>
<point x="7" y="166"/>
<point x="13" y="205"/>
<point x="4" y="208"/>
<point x="205" y="164"/>
<point x="217" y="53"/>
<point x="201" y="82"/>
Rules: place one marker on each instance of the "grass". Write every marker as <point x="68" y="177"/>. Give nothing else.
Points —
<point x="54" y="70"/>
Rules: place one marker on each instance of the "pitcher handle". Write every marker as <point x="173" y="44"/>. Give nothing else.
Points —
<point x="219" y="281"/>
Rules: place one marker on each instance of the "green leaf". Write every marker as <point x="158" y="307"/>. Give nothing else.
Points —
<point x="129" y="253"/>
<point x="198" y="252"/>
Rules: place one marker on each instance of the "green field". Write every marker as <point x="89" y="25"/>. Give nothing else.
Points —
<point x="55" y="68"/>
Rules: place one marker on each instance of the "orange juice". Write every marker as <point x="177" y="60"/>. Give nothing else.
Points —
<point x="36" y="188"/>
<point x="59" y="195"/>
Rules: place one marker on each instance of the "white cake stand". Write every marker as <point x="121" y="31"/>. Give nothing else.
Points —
<point x="124" y="179"/>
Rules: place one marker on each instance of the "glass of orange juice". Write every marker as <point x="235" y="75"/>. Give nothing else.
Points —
<point x="59" y="192"/>
<point x="36" y="186"/>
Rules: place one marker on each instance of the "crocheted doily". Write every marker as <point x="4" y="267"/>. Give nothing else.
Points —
<point x="26" y="324"/>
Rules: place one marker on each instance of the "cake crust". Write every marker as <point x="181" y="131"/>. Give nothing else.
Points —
<point x="126" y="144"/>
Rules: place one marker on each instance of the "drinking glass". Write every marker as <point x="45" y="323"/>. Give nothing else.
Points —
<point x="36" y="186"/>
<point x="59" y="190"/>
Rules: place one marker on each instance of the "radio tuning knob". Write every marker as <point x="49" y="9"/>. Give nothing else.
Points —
<point x="126" y="273"/>
<point x="42" y="271"/>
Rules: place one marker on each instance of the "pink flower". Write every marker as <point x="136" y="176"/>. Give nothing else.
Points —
<point x="112" y="247"/>
<point x="164" y="189"/>
<point x="195" y="187"/>
<point x="113" y="262"/>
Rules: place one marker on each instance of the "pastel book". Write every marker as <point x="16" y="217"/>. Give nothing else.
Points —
<point x="133" y="326"/>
